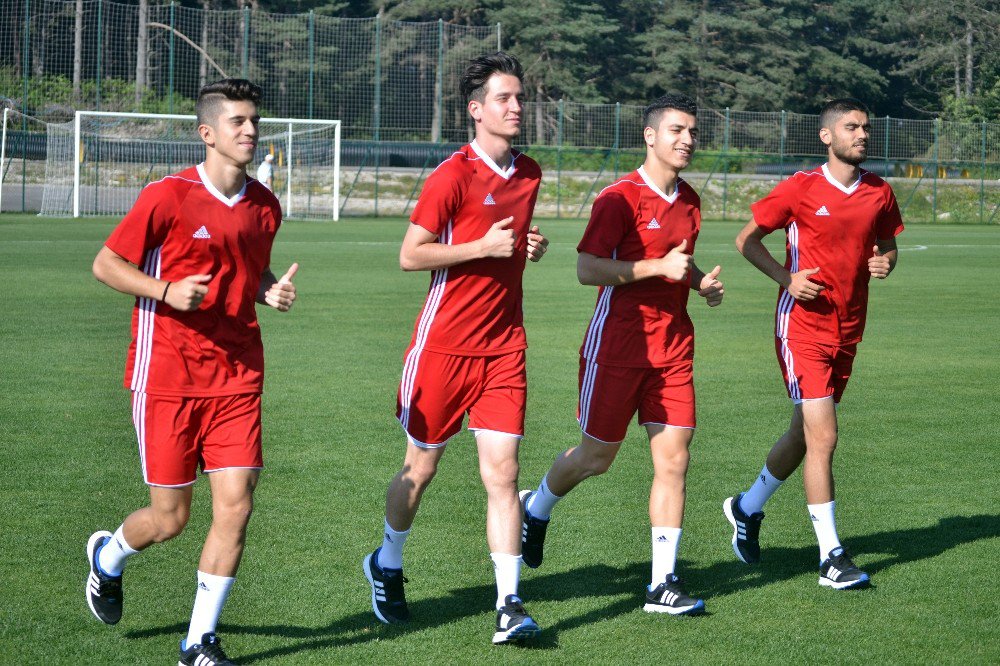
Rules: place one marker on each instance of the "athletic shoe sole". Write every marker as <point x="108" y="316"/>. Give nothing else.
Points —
<point x="518" y="633"/>
<point x="727" y="508"/>
<point x="92" y="580"/>
<point x="696" y="609"/>
<point x="367" y="565"/>
<point x="847" y="585"/>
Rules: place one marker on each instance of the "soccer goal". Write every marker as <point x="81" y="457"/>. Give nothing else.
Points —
<point x="98" y="163"/>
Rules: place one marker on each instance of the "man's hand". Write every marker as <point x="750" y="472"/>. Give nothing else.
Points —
<point x="281" y="295"/>
<point x="499" y="240"/>
<point x="878" y="265"/>
<point x="802" y="288"/>
<point x="676" y="264"/>
<point x="537" y="244"/>
<point x="710" y="288"/>
<point x="187" y="294"/>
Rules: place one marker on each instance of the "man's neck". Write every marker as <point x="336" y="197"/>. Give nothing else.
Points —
<point x="227" y="177"/>
<point x="662" y="176"/>
<point x="844" y="173"/>
<point x="497" y="147"/>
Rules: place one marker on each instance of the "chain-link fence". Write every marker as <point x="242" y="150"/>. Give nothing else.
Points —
<point x="394" y="87"/>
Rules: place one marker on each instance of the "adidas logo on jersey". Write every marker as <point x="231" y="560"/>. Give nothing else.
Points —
<point x="202" y="233"/>
<point x="653" y="224"/>
<point x="822" y="211"/>
<point x="488" y="201"/>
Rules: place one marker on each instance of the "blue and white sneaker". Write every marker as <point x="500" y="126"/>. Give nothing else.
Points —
<point x="104" y="592"/>
<point x="532" y="534"/>
<point x="839" y="572"/>
<point x="388" y="597"/>
<point x="669" y="597"/>
<point x="746" y="530"/>
<point x="513" y="622"/>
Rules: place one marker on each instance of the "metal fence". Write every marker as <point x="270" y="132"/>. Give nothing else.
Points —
<point x="394" y="87"/>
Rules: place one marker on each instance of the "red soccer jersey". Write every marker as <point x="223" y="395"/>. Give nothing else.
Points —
<point x="834" y="228"/>
<point x="474" y="308"/>
<point x="645" y="323"/>
<point x="180" y="226"/>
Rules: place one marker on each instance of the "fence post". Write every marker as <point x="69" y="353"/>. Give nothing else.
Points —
<point x="725" y="167"/>
<point x="618" y="133"/>
<point x="246" y="41"/>
<point x="559" y="146"/>
<point x="377" y="111"/>
<point x="982" y="177"/>
<point x="439" y="88"/>
<point x="886" y="169"/>
<point x="498" y="36"/>
<point x="312" y="58"/>
<point x="937" y="155"/>
<point x="170" y="66"/>
<point x="781" y="150"/>
<point x="25" y="68"/>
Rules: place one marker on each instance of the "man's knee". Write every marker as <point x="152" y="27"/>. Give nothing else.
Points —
<point x="169" y="524"/>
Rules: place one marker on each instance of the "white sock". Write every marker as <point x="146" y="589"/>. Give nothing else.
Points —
<point x="208" y="602"/>
<point x="112" y="556"/>
<point x="391" y="555"/>
<point x="541" y="501"/>
<point x="754" y="499"/>
<point x="508" y="572"/>
<point x="825" y="526"/>
<point x="665" y="543"/>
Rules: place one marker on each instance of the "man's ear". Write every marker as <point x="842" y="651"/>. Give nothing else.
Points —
<point x="825" y="136"/>
<point x="207" y="133"/>
<point x="475" y="108"/>
<point x="649" y="136"/>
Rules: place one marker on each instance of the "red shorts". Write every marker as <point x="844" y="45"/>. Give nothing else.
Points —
<point x="438" y="389"/>
<point x="610" y="395"/>
<point x="177" y="434"/>
<point x="814" y="371"/>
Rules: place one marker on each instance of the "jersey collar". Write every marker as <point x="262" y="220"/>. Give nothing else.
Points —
<point x="649" y="183"/>
<point x="214" y="191"/>
<point x="836" y="183"/>
<point x="503" y="173"/>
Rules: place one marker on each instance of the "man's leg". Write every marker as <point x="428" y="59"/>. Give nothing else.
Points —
<point x="498" y="468"/>
<point x="670" y="451"/>
<point x="232" y="504"/>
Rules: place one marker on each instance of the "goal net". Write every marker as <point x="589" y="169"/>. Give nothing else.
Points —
<point x="98" y="163"/>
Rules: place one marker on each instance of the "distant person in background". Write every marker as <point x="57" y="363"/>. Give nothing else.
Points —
<point x="840" y="223"/>
<point x="265" y="172"/>
<point x="195" y="251"/>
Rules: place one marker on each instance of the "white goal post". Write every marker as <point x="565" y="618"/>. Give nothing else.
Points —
<point x="114" y="155"/>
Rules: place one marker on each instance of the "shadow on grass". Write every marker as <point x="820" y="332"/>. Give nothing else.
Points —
<point x="623" y="585"/>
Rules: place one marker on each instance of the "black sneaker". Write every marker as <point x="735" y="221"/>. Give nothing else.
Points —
<point x="388" y="598"/>
<point x="207" y="653"/>
<point x="532" y="534"/>
<point x="746" y="530"/>
<point x="104" y="592"/>
<point x="839" y="572"/>
<point x="669" y="597"/>
<point x="513" y="622"/>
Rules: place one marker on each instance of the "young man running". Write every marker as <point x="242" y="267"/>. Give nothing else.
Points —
<point x="638" y="352"/>
<point x="195" y="251"/>
<point x="840" y="222"/>
<point x="472" y="229"/>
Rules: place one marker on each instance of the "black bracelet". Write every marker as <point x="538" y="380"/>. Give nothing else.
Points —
<point x="163" y="299"/>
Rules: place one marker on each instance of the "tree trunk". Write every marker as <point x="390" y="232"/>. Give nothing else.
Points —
<point x="142" y="52"/>
<point x="77" y="50"/>
<point x="969" y="60"/>
<point x="539" y="125"/>
<point x="203" y="62"/>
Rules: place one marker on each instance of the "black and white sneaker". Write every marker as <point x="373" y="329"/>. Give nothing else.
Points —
<point x="746" y="530"/>
<point x="669" y="597"/>
<point x="513" y="622"/>
<point x="104" y="592"/>
<point x="388" y="597"/>
<point x="207" y="653"/>
<point x="532" y="534"/>
<point x="839" y="572"/>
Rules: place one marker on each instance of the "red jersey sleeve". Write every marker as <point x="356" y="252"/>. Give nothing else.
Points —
<point x="439" y="199"/>
<point x="890" y="222"/>
<point x="609" y="220"/>
<point x="774" y="211"/>
<point x="145" y="225"/>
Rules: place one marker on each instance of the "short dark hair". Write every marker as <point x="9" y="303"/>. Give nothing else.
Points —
<point x="211" y="96"/>
<point x="480" y="70"/>
<point x="835" y="108"/>
<point x="673" y="100"/>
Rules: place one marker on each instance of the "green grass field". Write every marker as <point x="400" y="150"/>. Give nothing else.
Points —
<point x="917" y="471"/>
